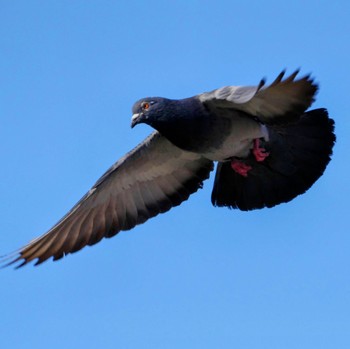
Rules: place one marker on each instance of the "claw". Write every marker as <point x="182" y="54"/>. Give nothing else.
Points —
<point x="240" y="167"/>
<point x="260" y="153"/>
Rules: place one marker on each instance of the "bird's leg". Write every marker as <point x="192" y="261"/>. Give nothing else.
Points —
<point x="240" y="167"/>
<point x="260" y="153"/>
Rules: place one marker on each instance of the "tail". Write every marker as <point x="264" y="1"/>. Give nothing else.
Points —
<point x="299" y="154"/>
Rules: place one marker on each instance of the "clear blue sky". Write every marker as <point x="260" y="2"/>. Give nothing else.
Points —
<point x="198" y="276"/>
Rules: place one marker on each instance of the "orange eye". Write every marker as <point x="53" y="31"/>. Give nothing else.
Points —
<point x="145" y="105"/>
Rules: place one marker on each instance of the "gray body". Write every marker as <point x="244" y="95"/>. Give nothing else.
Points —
<point x="215" y="134"/>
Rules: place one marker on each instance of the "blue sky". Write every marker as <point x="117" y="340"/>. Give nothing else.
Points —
<point x="198" y="276"/>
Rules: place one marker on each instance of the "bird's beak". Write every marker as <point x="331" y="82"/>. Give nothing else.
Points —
<point x="135" y="119"/>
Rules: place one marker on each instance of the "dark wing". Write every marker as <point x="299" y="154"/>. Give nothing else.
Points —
<point x="282" y="101"/>
<point x="149" y="180"/>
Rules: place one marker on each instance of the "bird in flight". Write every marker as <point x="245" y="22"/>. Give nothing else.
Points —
<point x="267" y="147"/>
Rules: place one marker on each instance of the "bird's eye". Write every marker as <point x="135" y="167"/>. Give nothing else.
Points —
<point x="145" y="105"/>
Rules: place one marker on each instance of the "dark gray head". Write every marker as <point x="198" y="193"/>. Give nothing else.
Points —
<point x="148" y="110"/>
<point x="182" y="121"/>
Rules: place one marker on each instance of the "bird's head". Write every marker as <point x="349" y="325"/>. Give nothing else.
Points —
<point x="147" y="110"/>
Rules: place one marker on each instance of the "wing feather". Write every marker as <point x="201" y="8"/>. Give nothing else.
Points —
<point x="149" y="180"/>
<point x="282" y="101"/>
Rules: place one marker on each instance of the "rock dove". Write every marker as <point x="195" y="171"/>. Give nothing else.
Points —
<point x="268" y="150"/>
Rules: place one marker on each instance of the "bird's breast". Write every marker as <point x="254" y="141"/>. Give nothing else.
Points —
<point x="235" y="141"/>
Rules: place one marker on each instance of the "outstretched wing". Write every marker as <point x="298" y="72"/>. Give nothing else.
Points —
<point x="149" y="180"/>
<point x="282" y="101"/>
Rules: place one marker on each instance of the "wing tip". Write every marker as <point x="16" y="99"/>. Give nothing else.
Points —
<point x="18" y="256"/>
<point x="291" y="78"/>
<point x="11" y="259"/>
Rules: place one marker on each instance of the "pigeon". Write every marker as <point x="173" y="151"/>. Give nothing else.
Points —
<point x="267" y="146"/>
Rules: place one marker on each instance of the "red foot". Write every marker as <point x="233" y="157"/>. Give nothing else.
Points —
<point x="260" y="153"/>
<point x="240" y="167"/>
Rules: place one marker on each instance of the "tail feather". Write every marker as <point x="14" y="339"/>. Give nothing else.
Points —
<point x="299" y="154"/>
